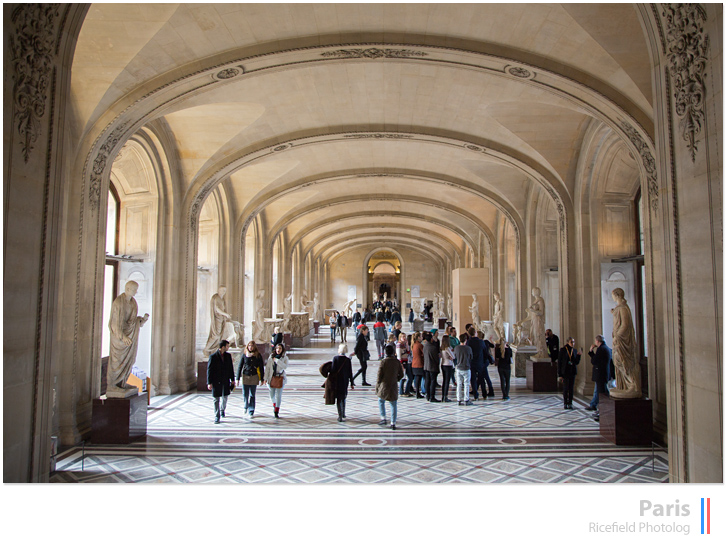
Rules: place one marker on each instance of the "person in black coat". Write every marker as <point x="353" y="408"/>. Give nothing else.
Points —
<point x="567" y="360"/>
<point x="396" y="317"/>
<point x="276" y="338"/>
<point x="600" y="356"/>
<point x="361" y="352"/>
<point x="343" y="327"/>
<point x="431" y="367"/>
<point x="339" y="375"/>
<point x="410" y="316"/>
<point x="503" y="358"/>
<point x="220" y="378"/>
<point x="553" y="345"/>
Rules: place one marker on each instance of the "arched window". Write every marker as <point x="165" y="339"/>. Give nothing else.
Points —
<point x="110" y="278"/>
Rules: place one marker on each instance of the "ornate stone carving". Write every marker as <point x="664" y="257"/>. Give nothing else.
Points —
<point x="32" y="48"/>
<point x="230" y="72"/>
<point x="648" y="162"/>
<point x="373" y="53"/>
<point x="99" y="164"/>
<point x="687" y="49"/>
<point x="519" y="72"/>
<point x="378" y="136"/>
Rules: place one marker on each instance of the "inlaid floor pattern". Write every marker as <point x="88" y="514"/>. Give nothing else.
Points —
<point x="529" y="439"/>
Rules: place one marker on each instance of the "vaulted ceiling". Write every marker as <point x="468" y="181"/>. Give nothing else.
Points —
<point x="353" y="121"/>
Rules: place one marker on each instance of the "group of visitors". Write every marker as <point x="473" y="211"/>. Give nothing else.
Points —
<point x="252" y="372"/>
<point x="409" y="366"/>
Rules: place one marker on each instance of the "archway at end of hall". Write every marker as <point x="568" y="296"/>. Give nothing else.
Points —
<point x="383" y="277"/>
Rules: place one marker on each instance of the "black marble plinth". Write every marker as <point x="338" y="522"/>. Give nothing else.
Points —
<point x="626" y="421"/>
<point x="442" y="323"/>
<point x="202" y="376"/>
<point x="117" y="420"/>
<point x="287" y="339"/>
<point x="264" y="349"/>
<point x="541" y="376"/>
<point x="316" y="327"/>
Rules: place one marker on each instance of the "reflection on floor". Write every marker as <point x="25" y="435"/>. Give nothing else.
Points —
<point x="529" y="439"/>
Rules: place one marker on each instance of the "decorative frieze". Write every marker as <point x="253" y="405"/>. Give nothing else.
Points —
<point x="648" y="162"/>
<point x="687" y="50"/>
<point x="32" y="48"/>
<point x="373" y="53"/>
<point x="99" y="164"/>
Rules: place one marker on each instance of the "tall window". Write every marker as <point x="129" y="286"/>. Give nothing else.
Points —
<point x="110" y="278"/>
<point x="640" y="274"/>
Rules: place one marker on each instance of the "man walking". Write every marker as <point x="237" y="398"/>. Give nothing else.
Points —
<point x="220" y="378"/>
<point x="343" y="326"/>
<point x="431" y="367"/>
<point x="567" y="362"/>
<point x="600" y="356"/>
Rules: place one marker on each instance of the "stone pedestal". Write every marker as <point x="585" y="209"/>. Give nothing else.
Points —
<point x="300" y="325"/>
<point x="541" y="376"/>
<point x="626" y="421"/>
<point x="442" y="323"/>
<point x="301" y="342"/>
<point x="418" y="325"/>
<point x="118" y="420"/>
<point x="519" y="358"/>
<point x="316" y="327"/>
<point x="265" y="350"/>
<point x="202" y="376"/>
<point x="287" y="339"/>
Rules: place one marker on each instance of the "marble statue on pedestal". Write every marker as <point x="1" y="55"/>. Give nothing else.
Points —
<point x="219" y="321"/>
<point x="625" y="350"/>
<point x="498" y="317"/>
<point x="316" y="307"/>
<point x="258" y="335"/>
<point x="304" y="302"/>
<point x="124" y="326"/>
<point x="286" y="312"/>
<point x="348" y="309"/>
<point x="449" y="308"/>
<point x="537" y="334"/>
<point x="474" y="309"/>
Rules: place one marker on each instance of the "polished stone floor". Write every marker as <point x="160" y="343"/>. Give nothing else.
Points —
<point x="529" y="439"/>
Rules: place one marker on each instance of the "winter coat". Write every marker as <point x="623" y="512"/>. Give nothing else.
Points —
<point x="390" y="372"/>
<point x="279" y="366"/>
<point x="566" y="365"/>
<point x="600" y="360"/>
<point x="417" y="358"/>
<point x="379" y="331"/>
<point x="431" y="357"/>
<point x="220" y="374"/>
<point x="339" y="374"/>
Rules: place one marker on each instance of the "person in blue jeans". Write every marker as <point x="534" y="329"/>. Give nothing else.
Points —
<point x="250" y="370"/>
<point x="600" y="356"/>
<point x="389" y="373"/>
<point x="479" y="363"/>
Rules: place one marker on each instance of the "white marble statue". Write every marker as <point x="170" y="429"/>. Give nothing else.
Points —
<point x="304" y="302"/>
<point x="449" y="308"/>
<point x="348" y="309"/>
<point x="417" y="304"/>
<point x="474" y="309"/>
<point x="522" y="331"/>
<point x="286" y="312"/>
<point x="385" y="297"/>
<point x="537" y="334"/>
<point x="124" y="325"/>
<point x="219" y="320"/>
<point x="498" y="317"/>
<point x="625" y="350"/>
<point x="258" y="336"/>
<point x="316" y="307"/>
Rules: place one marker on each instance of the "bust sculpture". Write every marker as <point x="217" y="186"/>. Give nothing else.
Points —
<point x="625" y="350"/>
<point x="537" y="334"/>
<point x="474" y="309"/>
<point x="124" y="326"/>
<point x="498" y="318"/>
<point x="219" y="319"/>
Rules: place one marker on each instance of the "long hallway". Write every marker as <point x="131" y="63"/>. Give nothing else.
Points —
<point x="529" y="439"/>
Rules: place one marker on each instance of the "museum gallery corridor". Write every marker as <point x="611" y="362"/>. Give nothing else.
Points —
<point x="530" y="439"/>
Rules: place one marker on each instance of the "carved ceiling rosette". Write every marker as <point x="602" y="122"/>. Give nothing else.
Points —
<point x="687" y="49"/>
<point x="32" y="47"/>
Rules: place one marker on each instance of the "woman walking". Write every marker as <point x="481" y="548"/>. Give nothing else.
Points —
<point x="250" y="370"/>
<point x="276" y="376"/>
<point x="362" y="353"/>
<point x="389" y="373"/>
<point x="447" y="367"/>
<point x="339" y="374"/>
<point x="504" y="366"/>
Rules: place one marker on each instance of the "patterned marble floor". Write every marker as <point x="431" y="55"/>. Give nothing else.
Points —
<point x="529" y="439"/>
